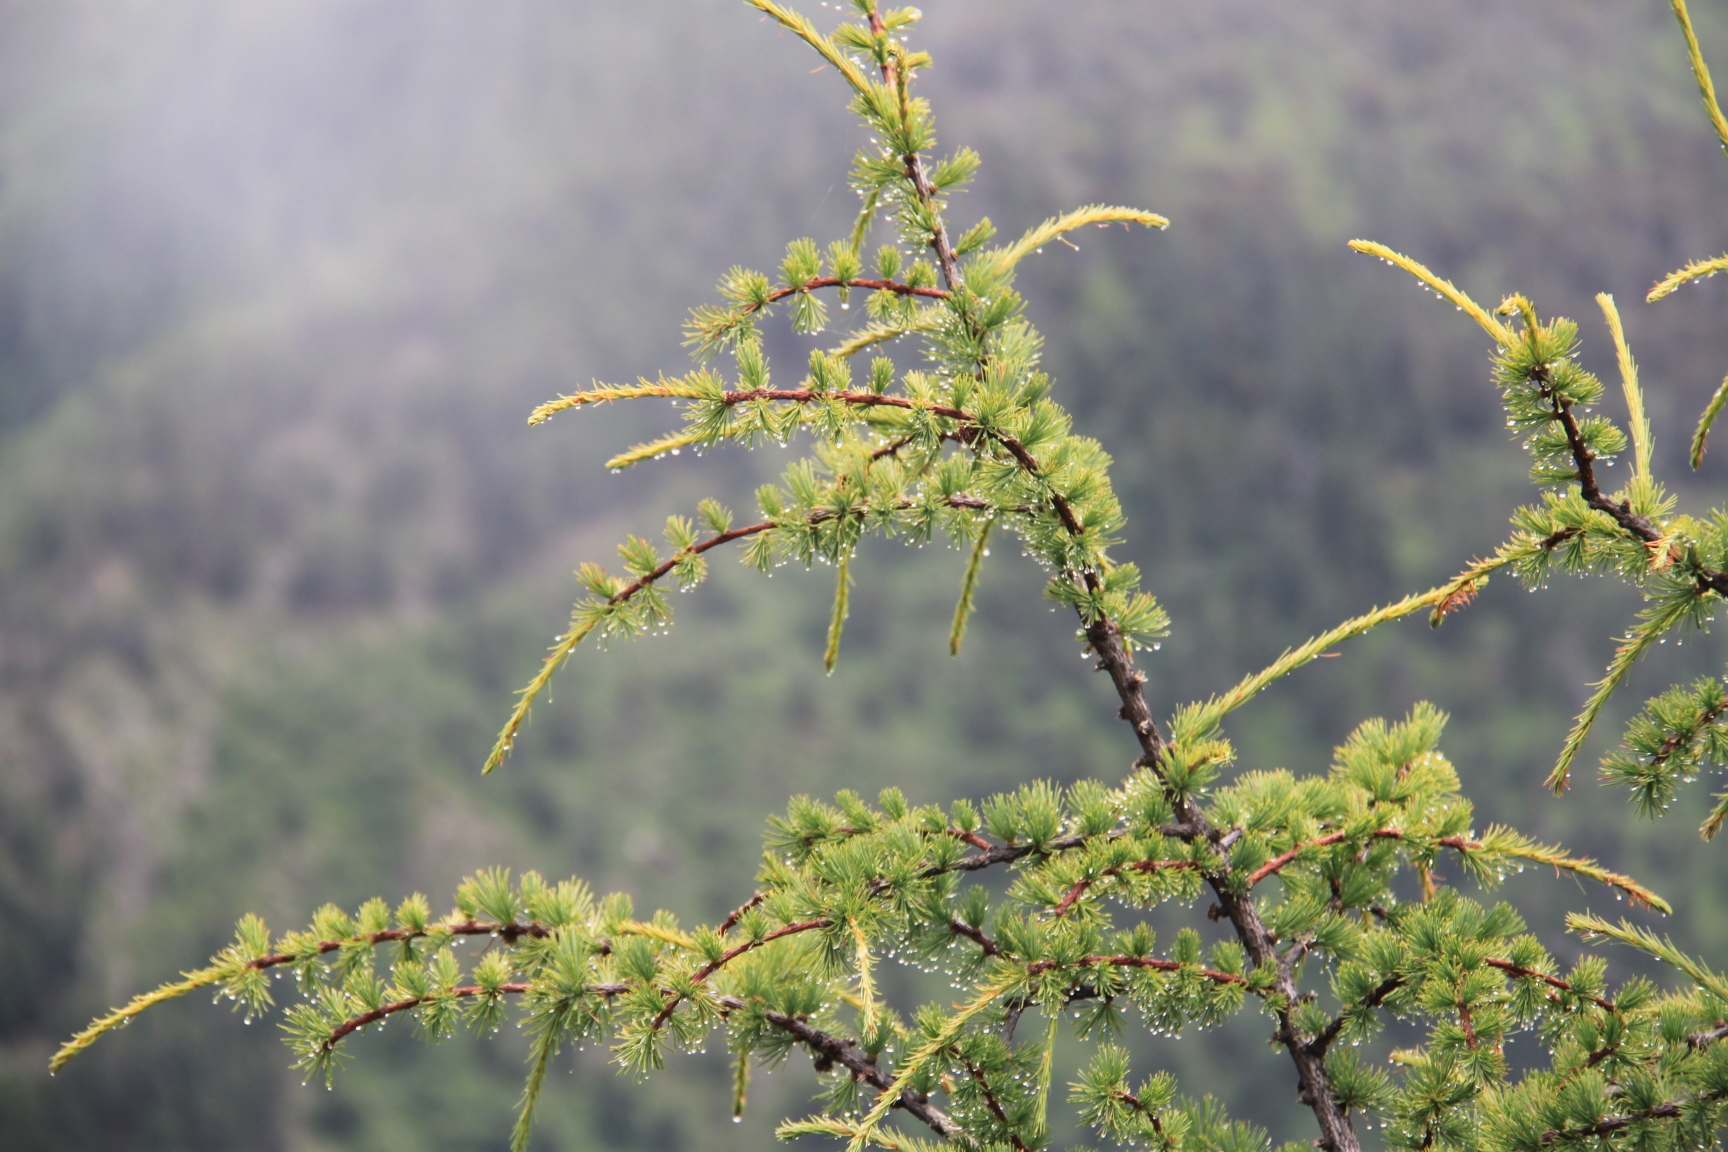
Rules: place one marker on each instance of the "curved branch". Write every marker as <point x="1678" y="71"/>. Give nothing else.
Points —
<point x="994" y="854"/>
<point x="509" y="933"/>
<point x="961" y="928"/>
<point x="816" y="282"/>
<point x="737" y="913"/>
<point x="1081" y="885"/>
<point x="1704" y="1039"/>
<point x="861" y="399"/>
<point x="1374" y="999"/>
<point x="1609" y="1125"/>
<point x="855" y="1060"/>
<point x="1515" y="970"/>
<point x="1038" y="967"/>
<point x="354" y="1024"/>
<point x="732" y="954"/>
<point x="993" y="1104"/>
<point x="1533" y="852"/>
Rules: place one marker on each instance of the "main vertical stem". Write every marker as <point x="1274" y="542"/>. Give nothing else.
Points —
<point x="1337" y="1134"/>
<point x="1314" y="1086"/>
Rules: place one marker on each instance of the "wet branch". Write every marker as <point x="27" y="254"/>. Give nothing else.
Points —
<point x="960" y="928"/>
<point x="993" y="1104"/>
<point x="1609" y="1125"/>
<point x="1081" y="885"/>
<point x="863" y="1067"/>
<point x="732" y="954"/>
<point x="509" y="933"/>
<point x="1038" y="967"/>
<point x="1512" y="969"/>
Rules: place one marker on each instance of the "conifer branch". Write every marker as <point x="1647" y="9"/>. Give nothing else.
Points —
<point x="1323" y="1040"/>
<point x="1139" y="1106"/>
<point x="579" y="631"/>
<point x="992" y="855"/>
<point x="545" y="1046"/>
<point x="851" y="1057"/>
<point x="1039" y="967"/>
<point x="920" y="1058"/>
<point x="731" y="954"/>
<point x="97" y="1028"/>
<point x="1656" y="623"/>
<point x="837" y="619"/>
<point x="1081" y="885"/>
<point x="1005" y="854"/>
<point x="1523" y="973"/>
<point x="993" y="1104"/>
<point x="709" y="322"/>
<point x="881" y="882"/>
<point x="876" y="333"/>
<point x="737" y="913"/>
<point x="968" y="585"/>
<point x="509" y="933"/>
<point x="961" y="928"/>
<point x="1540" y="358"/>
<point x="582" y="627"/>
<point x="1610" y="1125"/>
<point x="1704" y="1039"/>
<point x="1584" y="460"/>
<point x="859" y="399"/>
<point x="696" y="386"/>
<point x="670" y="444"/>
<point x="354" y="1023"/>
<point x="1498" y="842"/>
<point x="230" y="965"/>
<point x="926" y="192"/>
<point x="875" y="285"/>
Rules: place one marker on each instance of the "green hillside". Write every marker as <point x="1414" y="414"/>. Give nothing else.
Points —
<point x="278" y="284"/>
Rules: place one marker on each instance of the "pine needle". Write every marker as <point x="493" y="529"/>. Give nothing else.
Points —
<point x="740" y="1083"/>
<point x="968" y="585"/>
<point x="655" y="448"/>
<point x="1711" y="411"/>
<point x="1701" y="73"/>
<point x="102" y="1025"/>
<point x="1656" y="624"/>
<point x="1501" y="333"/>
<point x="825" y="47"/>
<point x="525" y="698"/>
<point x="1663" y="949"/>
<point x="1629" y="384"/>
<point x="545" y="1046"/>
<point x="837" y="623"/>
<point x="1199" y="721"/>
<point x="1004" y="259"/>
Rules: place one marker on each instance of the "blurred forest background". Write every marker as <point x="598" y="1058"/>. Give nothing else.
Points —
<point x="280" y="282"/>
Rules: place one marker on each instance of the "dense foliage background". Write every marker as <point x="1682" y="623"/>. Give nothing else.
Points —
<point x="278" y="284"/>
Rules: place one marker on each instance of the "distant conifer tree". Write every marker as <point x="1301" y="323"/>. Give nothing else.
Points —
<point x="1305" y="870"/>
